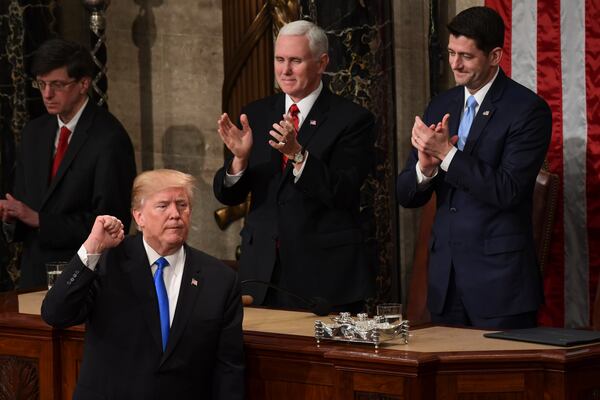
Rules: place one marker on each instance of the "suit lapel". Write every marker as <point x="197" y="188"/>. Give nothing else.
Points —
<point x="456" y="108"/>
<point x="276" y="115"/>
<point x="191" y="285"/>
<point x="46" y="152"/>
<point x="315" y="119"/>
<point x="78" y="138"/>
<point x="138" y="269"/>
<point x="485" y="112"/>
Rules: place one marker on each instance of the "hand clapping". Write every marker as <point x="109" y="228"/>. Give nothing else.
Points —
<point x="285" y="135"/>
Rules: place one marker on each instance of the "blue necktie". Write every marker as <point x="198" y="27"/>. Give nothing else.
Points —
<point x="163" y="300"/>
<point x="466" y="122"/>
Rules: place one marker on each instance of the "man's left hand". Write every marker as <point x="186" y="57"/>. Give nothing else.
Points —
<point x="433" y="142"/>
<point x="285" y="137"/>
<point x="13" y="209"/>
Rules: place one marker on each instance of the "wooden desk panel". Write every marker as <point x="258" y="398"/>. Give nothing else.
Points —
<point x="284" y="362"/>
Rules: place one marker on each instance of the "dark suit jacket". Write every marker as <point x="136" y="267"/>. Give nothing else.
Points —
<point x="482" y="225"/>
<point x="315" y="222"/>
<point x="123" y="356"/>
<point x="94" y="178"/>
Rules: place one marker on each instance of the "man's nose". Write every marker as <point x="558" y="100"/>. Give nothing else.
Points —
<point x="287" y="68"/>
<point x="47" y="91"/>
<point x="174" y="211"/>
<point x="455" y="62"/>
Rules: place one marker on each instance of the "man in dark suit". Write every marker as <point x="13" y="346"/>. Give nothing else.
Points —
<point x="482" y="265"/>
<point x="74" y="163"/>
<point x="302" y="231"/>
<point x="163" y="320"/>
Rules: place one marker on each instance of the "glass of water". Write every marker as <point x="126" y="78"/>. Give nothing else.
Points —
<point x="391" y="312"/>
<point x="53" y="271"/>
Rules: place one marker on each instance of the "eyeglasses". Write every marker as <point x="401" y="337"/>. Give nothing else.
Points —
<point x="58" y="86"/>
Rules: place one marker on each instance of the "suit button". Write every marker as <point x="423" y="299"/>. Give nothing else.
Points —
<point x="281" y="202"/>
<point x="452" y="209"/>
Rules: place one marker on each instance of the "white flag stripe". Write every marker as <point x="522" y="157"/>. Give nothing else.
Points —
<point x="524" y="43"/>
<point x="572" y="39"/>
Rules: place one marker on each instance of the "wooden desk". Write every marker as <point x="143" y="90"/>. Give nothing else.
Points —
<point x="284" y="362"/>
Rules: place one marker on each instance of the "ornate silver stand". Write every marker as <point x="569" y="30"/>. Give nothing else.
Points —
<point x="361" y="329"/>
<point x="97" y="10"/>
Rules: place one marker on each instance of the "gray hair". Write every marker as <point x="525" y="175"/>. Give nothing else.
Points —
<point x="317" y="39"/>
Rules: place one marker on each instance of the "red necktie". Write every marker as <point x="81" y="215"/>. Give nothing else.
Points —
<point x="61" y="149"/>
<point x="293" y="111"/>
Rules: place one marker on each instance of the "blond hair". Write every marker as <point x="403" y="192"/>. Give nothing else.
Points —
<point x="149" y="182"/>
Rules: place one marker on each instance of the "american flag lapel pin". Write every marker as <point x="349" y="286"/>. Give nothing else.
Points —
<point x="486" y="113"/>
<point x="313" y="122"/>
<point x="194" y="282"/>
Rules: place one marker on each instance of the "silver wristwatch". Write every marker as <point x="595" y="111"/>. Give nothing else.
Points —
<point x="298" y="157"/>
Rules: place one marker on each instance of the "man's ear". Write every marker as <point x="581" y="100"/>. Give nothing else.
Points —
<point x="496" y="56"/>
<point x="138" y="216"/>
<point x="85" y="84"/>
<point x="323" y="61"/>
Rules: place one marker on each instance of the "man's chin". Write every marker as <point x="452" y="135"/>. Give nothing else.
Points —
<point x="461" y="80"/>
<point x="51" y="110"/>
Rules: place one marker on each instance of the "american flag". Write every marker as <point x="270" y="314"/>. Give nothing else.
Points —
<point x="553" y="47"/>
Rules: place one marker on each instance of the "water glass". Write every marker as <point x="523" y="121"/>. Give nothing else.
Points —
<point x="391" y="312"/>
<point x="53" y="271"/>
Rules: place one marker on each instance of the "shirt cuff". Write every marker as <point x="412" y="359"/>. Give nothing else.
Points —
<point x="89" y="260"/>
<point x="231" y="180"/>
<point x="298" y="173"/>
<point x="422" y="180"/>
<point x="448" y="159"/>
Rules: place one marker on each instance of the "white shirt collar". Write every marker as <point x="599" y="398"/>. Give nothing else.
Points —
<point x="304" y="105"/>
<point x="73" y="122"/>
<point x="173" y="259"/>
<point x="480" y="94"/>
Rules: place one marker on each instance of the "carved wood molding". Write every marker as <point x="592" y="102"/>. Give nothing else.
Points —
<point x="19" y="378"/>
<point x="249" y="41"/>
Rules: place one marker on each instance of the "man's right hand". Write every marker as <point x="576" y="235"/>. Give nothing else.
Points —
<point x="239" y="142"/>
<point x="427" y="163"/>
<point x="106" y="233"/>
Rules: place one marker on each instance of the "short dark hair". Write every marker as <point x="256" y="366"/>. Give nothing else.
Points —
<point x="58" y="53"/>
<point x="482" y="24"/>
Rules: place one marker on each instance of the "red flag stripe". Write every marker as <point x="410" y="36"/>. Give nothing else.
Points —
<point x="592" y="67"/>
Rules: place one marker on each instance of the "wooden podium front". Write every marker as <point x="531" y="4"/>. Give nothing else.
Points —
<point x="283" y="361"/>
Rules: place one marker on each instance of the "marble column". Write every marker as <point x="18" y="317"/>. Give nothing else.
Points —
<point x="362" y="68"/>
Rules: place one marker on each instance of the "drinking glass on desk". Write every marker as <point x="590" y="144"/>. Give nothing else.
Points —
<point x="53" y="271"/>
<point x="391" y="312"/>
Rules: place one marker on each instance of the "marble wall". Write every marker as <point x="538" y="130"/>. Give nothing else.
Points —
<point x="165" y="70"/>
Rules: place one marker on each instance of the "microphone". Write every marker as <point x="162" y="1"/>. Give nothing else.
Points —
<point x="317" y="305"/>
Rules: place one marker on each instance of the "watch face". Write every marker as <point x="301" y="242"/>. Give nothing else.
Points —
<point x="298" y="157"/>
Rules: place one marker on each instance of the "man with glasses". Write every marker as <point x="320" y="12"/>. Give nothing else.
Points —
<point x="74" y="163"/>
